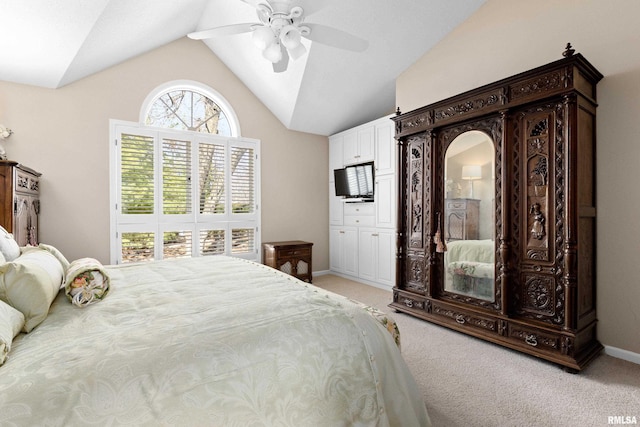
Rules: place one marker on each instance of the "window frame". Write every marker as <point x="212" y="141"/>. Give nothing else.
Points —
<point x="195" y="222"/>
<point x="158" y="91"/>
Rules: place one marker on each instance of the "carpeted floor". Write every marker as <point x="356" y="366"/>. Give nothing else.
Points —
<point x="467" y="382"/>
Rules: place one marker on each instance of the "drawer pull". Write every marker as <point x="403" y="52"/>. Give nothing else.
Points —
<point x="460" y="319"/>
<point x="375" y="234"/>
<point x="531" y="340"/>
<point x="341" y="232"/>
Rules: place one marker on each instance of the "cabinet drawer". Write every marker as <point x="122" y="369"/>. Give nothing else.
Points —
<point x="534" y="337"/>
<point x="364" y="209"/>
<point x="299" y="252"/>
<point x="466" y="318"/>
<point x="26" y="183"/>
<point x="456" y="205"/>
<point x="360" y="221"/>
<point x="412" y="301"/>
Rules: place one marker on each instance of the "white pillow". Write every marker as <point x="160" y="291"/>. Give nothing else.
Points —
<point x="30" y="284"/>
<point x="8" y="246"/>
<point x="11" y="321"/>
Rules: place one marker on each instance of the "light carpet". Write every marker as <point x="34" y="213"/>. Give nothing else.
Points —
<point x="469" y="382"/>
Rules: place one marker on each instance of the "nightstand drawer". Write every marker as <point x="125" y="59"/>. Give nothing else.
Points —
<point x="295" y="252"/>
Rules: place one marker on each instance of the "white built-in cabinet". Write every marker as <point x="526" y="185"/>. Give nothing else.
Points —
<point x="362" y="237"/>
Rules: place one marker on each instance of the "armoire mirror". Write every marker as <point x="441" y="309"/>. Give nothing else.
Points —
<point x="469" y="219"/>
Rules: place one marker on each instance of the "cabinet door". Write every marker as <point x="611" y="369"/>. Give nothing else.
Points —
<point x="366" y="144"/>
<point x="343" y="250"/>
<point x="336" y="206"/>
<point x="350" y="148"/>
<point x="386" y="201"/>
<point x="385" y="156"/>
<point x="25" y="223"/>
<point x="350" y="250"/>
<point x="377" y="255"/>
<point x="385" y="257"/>
<point x="335" y="155"/>
<point x="368" y="242"/>
<point x="336" y="249"/>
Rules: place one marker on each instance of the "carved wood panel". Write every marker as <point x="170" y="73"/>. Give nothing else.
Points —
<point x="539" y="212"/>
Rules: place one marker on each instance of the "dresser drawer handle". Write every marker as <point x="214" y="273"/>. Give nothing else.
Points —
<point x="460" y="319"/>
<point x="531" y="340"/>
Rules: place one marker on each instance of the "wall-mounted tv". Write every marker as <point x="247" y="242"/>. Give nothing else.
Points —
<point x="355" y="181"/>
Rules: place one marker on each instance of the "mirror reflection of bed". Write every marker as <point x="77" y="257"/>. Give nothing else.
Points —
<point x="469" y="261"/>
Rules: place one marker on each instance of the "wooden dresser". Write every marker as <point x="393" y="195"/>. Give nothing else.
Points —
<point x="292" y="257"/>
<point x="19" y="201"/>
<point x="461" y="219"/>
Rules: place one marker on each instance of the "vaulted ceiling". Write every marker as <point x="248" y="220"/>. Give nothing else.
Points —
<point x="51" y="43"/>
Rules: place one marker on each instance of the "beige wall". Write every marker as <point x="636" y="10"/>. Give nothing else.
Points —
<point x="505" y="37"/>
<point x="63" y="134"/>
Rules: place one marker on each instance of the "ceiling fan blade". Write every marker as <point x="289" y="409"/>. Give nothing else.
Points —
<point x="253" y="3"/>
<point x="281" y="66"/>
<point x="335" y="38"/>
<point x="225" y="30"/>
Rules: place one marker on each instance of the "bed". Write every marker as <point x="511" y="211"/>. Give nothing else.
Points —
<point x="470" y="268"/>
<point x="208" y="341"/>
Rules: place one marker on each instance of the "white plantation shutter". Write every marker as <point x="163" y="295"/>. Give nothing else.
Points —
<point x="138" y="246"/>
<point x="212" y="242"/>
<point x="211" y="169"/>
<point x="242" y="240"/>
<point x="137" y="174"/>
<point x="176" y="177"/>
<point x="242" y="179"/>
<point x="177" y="244"/>
<point x="181" y="194"/>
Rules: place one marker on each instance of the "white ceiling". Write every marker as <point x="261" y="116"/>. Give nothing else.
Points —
<point x="51" y="43"/>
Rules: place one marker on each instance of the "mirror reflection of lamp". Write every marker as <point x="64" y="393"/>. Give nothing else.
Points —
<point x="471" y="173"/>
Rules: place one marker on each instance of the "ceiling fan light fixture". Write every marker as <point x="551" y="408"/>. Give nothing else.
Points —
<point x="273" y="52"/>
<point x="263" y="37"/>
<point x="290" y="37"/>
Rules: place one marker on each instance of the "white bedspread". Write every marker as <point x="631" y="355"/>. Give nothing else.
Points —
<point x="211" y="341"/>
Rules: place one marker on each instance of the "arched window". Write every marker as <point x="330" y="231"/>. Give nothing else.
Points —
<point x="189" y="106"/>
<point x="184" y="183"/>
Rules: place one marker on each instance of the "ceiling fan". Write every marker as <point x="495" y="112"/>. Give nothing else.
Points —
<point x="279" y="32"/>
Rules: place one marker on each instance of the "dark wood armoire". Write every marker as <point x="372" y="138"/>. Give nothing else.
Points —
<point x="20" y="201"/>
<point x="527" y="279"/>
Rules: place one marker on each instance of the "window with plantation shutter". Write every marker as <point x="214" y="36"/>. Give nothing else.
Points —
<point x="211" y="168"/>
<point x="176" y="177"/>
<point x="242" y="179"/>
<point x="137" y="160"/>
<point x="185" y="190"/>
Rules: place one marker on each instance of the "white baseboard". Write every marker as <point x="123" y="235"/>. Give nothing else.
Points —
<point x="619" y="353"/>
<point x="320" y="273"/>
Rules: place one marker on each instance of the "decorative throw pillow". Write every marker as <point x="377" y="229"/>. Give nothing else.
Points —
<point x="11" y="321"/>
<point x="8" y="246"/>
<point x="56" y="253"/>
<point x="30" y="284"/>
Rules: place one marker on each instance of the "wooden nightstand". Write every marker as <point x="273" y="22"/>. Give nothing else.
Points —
<point x="292" y="257"/>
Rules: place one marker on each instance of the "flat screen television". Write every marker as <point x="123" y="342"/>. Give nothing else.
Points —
<point x="355" y="181"/>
